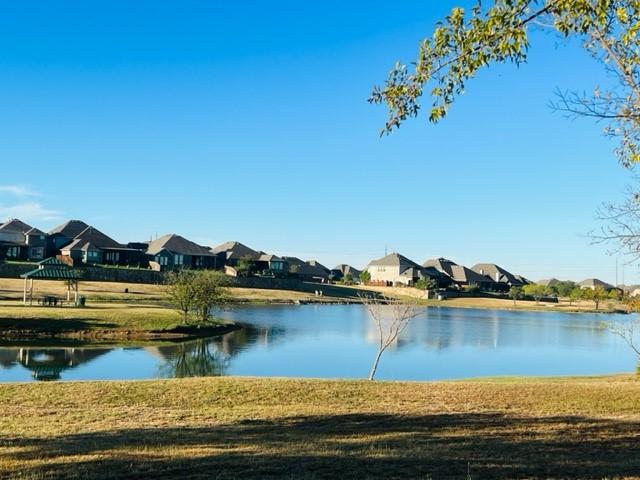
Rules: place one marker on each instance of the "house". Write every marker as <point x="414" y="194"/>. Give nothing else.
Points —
<point x="396" y="269"/>
<point x="343" y="271"/>
<point x="172" y="251"/>
<point x="262" y="262"/>
<point x="549" y="282"/>
<point x="271" y="264"/>
<point x="459" y="274"/>
<point x="21" y="241"/>
<point x="86" y="244"/>
<point x="311" y="271"/>
<point x="592" y="283"/>
<point x="503" y="279"/>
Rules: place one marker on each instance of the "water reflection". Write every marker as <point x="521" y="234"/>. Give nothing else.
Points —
<point x="47" y="364"/>
<point x="339" y="341"/>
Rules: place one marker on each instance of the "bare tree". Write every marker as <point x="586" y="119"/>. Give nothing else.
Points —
<point x="629" y="332"/>
<point x="391" y="317"/>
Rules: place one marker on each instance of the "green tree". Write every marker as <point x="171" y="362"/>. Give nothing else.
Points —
<point x="245" y="266"/>
<point x="515" y="293"/>
<point x="426" y="284"/>
<point x="537" y="292"/>
<point x="598" y="295"/>
<point x="563" y="288"/>
<point x="614" y="294"/>
<point x="466" y="42"/>
<point x="180" y="288"/>
<point x="210" y="291"/>
<point x="365" y="277"/>
<point x="575" y="295"/>
<point x="348" y="279"/>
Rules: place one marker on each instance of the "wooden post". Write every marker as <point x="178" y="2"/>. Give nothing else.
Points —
<point x="24" y="297"/>
<point x="76" y="292"/>
<point x="30" y="291"/>
<point x="68" y="290"/>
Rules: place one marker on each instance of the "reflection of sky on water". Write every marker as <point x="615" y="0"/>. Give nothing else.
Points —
<point x="340" y="341"/>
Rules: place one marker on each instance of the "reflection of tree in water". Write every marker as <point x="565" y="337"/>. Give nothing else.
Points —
<point x="48" y="363"/>
<point x="194" y="359"/>
<point x="212" y="356"/>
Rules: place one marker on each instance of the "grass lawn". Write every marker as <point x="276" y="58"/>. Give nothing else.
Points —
<point x="276" y="428"/>
<point x="105" y="316"/>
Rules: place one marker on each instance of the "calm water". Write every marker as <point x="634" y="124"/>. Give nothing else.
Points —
<point x="340" y="341"/>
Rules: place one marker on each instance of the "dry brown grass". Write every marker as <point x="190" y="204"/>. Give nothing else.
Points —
<point x="269" y="428"/>
<point x="496" y="303"/>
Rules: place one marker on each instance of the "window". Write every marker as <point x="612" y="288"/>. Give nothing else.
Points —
<point x="37" y="253"/>
<point x="178" y="259"/>
<point x="112" y="257"/>
<point x="199" y="261"/>
<point x="13" y="252"/>
<point x="163" y="261"/>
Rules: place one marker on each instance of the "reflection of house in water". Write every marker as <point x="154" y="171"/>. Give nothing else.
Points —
<point x="48" y="363"/>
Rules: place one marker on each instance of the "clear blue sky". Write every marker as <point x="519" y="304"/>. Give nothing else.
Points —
<point x="249" y="121"/>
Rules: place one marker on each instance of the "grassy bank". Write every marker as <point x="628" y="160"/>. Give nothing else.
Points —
<point x="98" y="320"/>
<point x="270" y="428"/>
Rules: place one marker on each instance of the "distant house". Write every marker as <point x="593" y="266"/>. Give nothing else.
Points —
<point x="263" y="262"/>
<point x="592" y="283"/>
<point x="64" y="234"/>
<point x="398" y="269"/>
<point x="311" y="271"/>
<point x="341" y="271"/>
<point x="459" y="274"/>
<point x="549" y="282"/>
<point x="502" y="278"/>
<point x="21" y="241"/>
<point x="172" y="251"/>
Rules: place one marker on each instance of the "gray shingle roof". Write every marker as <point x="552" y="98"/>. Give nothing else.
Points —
<point x="395" y="260"/>
<point x="70" y="229"/>
<point x="16" y="226"/>
<point x="595" y="282"/>
<point x="97" y="238"/>
<point x="236" y="251"/>
<point x="496" y="273"/>
<point x="177" y="244"/>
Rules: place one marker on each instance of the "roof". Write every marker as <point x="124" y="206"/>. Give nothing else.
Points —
<point x="16" y="226"/>
<point x="301" y="267"/>
<point x="345" y="270"/>
<point x="268" y="257"/>
<point x="395" y="260"/>
<point x="462" y="274"/>
<point x="595" y="282"/>
<point x="177" y="244"/>
<point x="34" y="231"/>
<point x="442" y="264"/>
<point x="51" y="261"/>
<point x="80" y="244"/>
<point x="52" y="273"/>
<point x="496" y="273"/>
<point x="236" y="251"/>
<point x="96" y="238"/>
<point x="70" y="229"/>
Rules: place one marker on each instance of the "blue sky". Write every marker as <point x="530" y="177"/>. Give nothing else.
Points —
<point x="249" y="121"/>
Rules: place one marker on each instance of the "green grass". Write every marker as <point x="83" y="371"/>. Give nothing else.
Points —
<point x="276" y="428"/>
<point x="93" y="317"/>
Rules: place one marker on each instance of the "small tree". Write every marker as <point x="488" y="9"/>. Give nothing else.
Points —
<point x="575" y="295"/>
<point x="426" y="284"/>
<point x="538" y="292"/>
<point x="210" y="291"/>
<point x="181" y="291"/>
<point x="245" y="266"/>
<point x="629" y="331"/>
<point x="564" y="288"/>
<point x="599" y="294"/>
<point x="614" y="295"/>
<point x="348" y="279"/>
<point x="391" y="317"/>
<point x="515" y="293"/>
<point x="365" y="277"/>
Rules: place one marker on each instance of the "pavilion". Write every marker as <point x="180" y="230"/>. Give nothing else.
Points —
<point x="51" y="269"/>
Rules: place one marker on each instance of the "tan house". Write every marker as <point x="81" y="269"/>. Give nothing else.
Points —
<point x="398" y="269"/>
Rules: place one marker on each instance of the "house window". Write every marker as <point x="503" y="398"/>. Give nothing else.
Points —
<point x="381" y="269"/>
<point x="13" y="252"/>
<point x="112" y="257"/>
<point x="178" y="259"/>
<point x="199" y="261"/>
<point x="37" y="253"/>
<point x="163" y="261"/>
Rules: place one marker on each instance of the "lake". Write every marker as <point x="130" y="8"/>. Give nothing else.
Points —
<point x="339" y="341"/>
